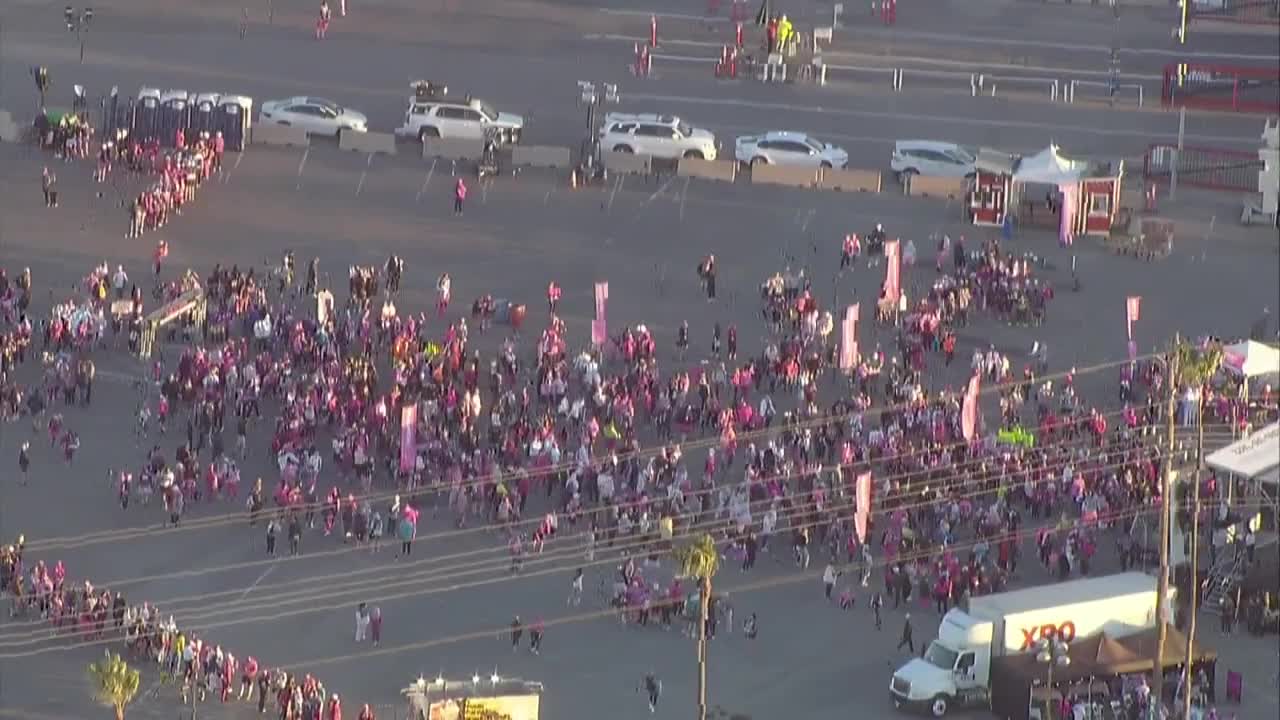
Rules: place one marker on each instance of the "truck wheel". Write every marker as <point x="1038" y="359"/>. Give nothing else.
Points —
<point x="428" y="132"/>
<point x="938" y="706"/>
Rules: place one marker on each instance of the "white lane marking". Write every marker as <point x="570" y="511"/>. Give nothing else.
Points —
<point x="239" y="157"/>
<point x="975" y="122"/>
<point x="302" y="165"/>
<point x="364" y="174"/>
<point x="969" y="39"/>
<point x="257" y="582"/>
<point x="426" y="181"/>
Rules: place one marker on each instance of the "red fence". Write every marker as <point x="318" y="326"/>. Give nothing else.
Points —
<point x="1222" y="87"/>
<point x="1245" y="12"/>
<point x="1214" y="169"/>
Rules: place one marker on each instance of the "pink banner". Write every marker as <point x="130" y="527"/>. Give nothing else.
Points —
<point x="1070" y="205"/>
<point x="408" y="437"/>
<point x="893" y="270"/>
<point x="849" y="338"/>
<point x="969" y="409"/>
<point x="1132" y="310"/>
<point x="862" y="513"/>
<point x="599" y="326"/>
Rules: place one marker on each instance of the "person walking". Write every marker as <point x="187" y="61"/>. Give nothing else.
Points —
<point x="707" y="272"/>
<point x="829" y="577"/>
<point x="517" y="631"/>
<point x="653" y="689"/>
<point x="24" y="464"/>
<point x="362" y="622"/>
<point x="877" y="602"/>
<point x="375" y="625"/>
<point x="48" y="184"/>
<point x="575" y="589"/>
<point x="907" y="636"/>
<point x="535" y="637"/>
<point x="459" y="196"/>
<point x="273" y="529"/>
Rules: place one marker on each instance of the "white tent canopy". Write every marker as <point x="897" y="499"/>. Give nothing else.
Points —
<point x="1049" y="167"/>
<point x="1257" y="456"/>
<point x="1251" y="359"/>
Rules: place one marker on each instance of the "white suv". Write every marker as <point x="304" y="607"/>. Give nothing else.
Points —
<point x="431" y="115"/>
<point x="661" y="136"/>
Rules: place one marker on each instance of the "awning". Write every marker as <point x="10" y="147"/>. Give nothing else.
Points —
<point x="1251" y="359"/>
<point x="1049" y="167"/>
<point x="1254" y="457"/>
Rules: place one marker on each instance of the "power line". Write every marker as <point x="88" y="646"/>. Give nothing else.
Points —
<point x="89" y="539"/>
<point x="884" y="501"/>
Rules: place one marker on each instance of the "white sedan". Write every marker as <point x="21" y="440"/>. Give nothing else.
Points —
<point x="315" y="115"/>
<point x="789" y="148"/>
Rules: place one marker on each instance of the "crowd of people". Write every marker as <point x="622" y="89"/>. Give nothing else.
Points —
<point x="631" y="450"/>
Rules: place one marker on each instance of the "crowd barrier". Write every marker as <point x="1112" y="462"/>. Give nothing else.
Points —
<point x="280" y="135"/>
<point x="721" y="170"/>
<point x="851" y="180"/>
<point x="367" y="142"/>
<point x="452" y="149"/>
<point x="781" y="175"/>
<point x="9" y="130"/>
<point x="543" y="156"/>
<point x="938" y="187"/>
<point x="626" y="163"/>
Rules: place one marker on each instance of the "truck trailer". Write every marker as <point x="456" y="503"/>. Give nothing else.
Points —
<point x="956" y="668"/>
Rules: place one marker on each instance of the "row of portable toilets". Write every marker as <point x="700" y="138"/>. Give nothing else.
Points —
<point x="158" y="115"/>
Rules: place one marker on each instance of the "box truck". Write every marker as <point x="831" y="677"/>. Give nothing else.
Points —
<point x="955" y="670"/>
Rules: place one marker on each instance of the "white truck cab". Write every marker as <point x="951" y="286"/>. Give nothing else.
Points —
<point x="955" y="669"/>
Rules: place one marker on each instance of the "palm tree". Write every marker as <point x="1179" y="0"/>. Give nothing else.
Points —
<point x="1196" y="367"/>
<point x="701" y="560"/>
<point x="114" y="683"/>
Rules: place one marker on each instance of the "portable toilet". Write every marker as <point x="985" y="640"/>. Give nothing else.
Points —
<point x="146" y="115"/>
<point x="233" y="118"/>
<point x="174" y="111"/>
<point x="202" y="113"/>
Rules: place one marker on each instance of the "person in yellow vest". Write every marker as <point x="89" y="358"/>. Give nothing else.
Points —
<point x="786" y="32"/>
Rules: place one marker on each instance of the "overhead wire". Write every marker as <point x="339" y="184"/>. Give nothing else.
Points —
<point x="468" y="569"/>
<point x="773" y="582"/>
<point x="121" y="534"/>
<point x="892" y="497"/>
<point x="561" y="550"/>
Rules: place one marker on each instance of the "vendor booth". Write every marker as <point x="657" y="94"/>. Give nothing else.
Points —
<point x="1104" y="676"/>
<point x="1256" y="460"/>
<point x="1079" y="197"/>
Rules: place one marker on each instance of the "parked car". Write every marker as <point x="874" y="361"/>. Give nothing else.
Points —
<point x="432" y="114"/>
<point x="783" y="147"/>
<point x="315" y="115"/>
<point x="660" y="136"/>
<point x="930" y="158"/>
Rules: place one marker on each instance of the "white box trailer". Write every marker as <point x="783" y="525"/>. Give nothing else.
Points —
<point x="956" y="667"/>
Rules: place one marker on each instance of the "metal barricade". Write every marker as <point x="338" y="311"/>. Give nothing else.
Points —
<point x="1210" y="168"/>
<point x="1221" y="87"/>
<point x="1244" y="12"/>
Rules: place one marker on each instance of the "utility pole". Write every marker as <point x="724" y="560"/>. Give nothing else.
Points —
<point x="704" y="616"/>
<point x="1166" y="498"/>
<point x="78" y="23"/>
<point x="1182" y="22"/>
<point x="1195" y="556"/>
<point x="1177" y="155"/>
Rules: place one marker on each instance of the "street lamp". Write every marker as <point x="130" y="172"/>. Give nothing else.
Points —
<point x="593" y="96"/>
<point x="78" y="22"/>
<point x="1052" y="653"/>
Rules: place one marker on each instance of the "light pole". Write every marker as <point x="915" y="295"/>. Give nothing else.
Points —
<point x="78" y="23"/>
<point x="592" y="96"/>
<point x="1052" y="653"/>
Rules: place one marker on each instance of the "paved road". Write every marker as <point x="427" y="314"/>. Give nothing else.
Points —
<point x="515" y="238"/>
